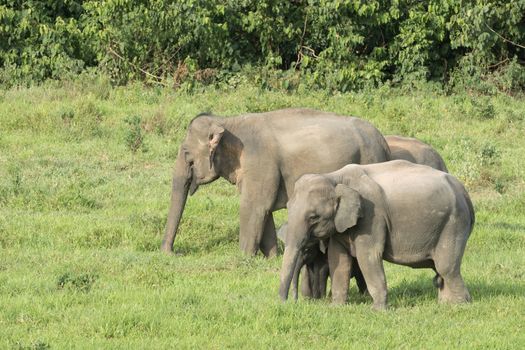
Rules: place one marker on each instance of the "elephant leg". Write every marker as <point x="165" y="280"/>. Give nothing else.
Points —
<point x="321" y="272"/>
<point x="447" y="261"/>
<point x="256" y="204"/>
<point x="269" y="238"/>
<point x="324" y="272"/>
<point x="454" y="290"/>
<point x="339" y="262"/>
<point x="316" y="281"/>
<point x="315" y="274"/>
<point x="359" y="278"/>
<point x="451" y="287"/>
<point x="306" y="285"/>
<point x="371" y="264"/>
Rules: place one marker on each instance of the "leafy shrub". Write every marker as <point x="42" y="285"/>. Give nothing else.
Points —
<point x="489" y="154"/>
<point x="81" y="282"/>
<point x="484" y="109"/>
<point x="134" y="135"/>
<point x="336" y="45"/>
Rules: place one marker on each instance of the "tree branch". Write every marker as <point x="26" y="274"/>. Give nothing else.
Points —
<point x="503" y="38"/>
<point x="158" y="79"/>
<point x="499" y="63"/>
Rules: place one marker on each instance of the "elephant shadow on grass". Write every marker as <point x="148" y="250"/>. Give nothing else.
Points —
<point x="409" y="293"/>
<point x="414" y="292"/>
<point x="210" y="243"/>
<point x="508" y="226"/>
<point x="482" y="290"/>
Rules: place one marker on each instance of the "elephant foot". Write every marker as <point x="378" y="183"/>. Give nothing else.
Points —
<point x="338" y="301"/>
<point x="167" y="250"/>
<point x="458" y="295"/>
<point x="454" y="298"/>
<point x="379" y="307"/>
<point x="248" y="249"/>
<point x="272" y="253"/>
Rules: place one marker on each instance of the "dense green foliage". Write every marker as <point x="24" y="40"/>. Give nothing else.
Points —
<point x="83" y="206"/>
<point x="338" y="45"/>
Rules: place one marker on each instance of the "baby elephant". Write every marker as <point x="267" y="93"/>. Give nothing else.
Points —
<point x="398" y="211"/>
<point x="312" y="264"/>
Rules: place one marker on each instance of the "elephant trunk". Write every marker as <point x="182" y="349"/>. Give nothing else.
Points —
<point x="293" y="259"/>
<point x="291" y="255"/>
<point x="297" y="271"/>
<point x="179" y="194"/>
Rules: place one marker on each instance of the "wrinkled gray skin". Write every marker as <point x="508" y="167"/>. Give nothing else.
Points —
<point x="414" y="151"/>
<point x="315" y="273"/>
<point x="263" y="154"/>
<point x="397" y="211"/>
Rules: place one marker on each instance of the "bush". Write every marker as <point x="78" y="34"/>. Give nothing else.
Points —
<point x="78" y="282"/>
<point x="134" y="135"/>
<point x="336" y="45"/>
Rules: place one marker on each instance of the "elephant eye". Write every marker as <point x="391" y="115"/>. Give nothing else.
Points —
<point x="188" y="158"/>
<point x="313" y="218"/>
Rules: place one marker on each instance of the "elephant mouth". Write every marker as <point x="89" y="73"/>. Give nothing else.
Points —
<point x="201" y="180"/>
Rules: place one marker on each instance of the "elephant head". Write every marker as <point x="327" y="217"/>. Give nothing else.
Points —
<point x="199" y="149"/>
<point x="317" y="209"/>
<point x="196" y="164"/>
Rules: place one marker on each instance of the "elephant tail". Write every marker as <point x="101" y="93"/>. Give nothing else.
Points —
<point x="438" y="281"/>
<point x="471" y="209"/>
<point x="461" y="191"/>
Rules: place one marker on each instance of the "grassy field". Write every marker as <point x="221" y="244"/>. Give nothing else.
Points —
<point x="82" y="216"/>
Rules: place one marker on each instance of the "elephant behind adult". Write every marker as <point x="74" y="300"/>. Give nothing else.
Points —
<point x="263" y="154"/>
<point x="415" y="151"/>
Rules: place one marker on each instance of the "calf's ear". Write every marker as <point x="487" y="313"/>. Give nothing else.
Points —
<point x="349" y="208"/>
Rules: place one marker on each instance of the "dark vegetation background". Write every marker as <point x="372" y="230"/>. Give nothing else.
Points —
<point x="334" y="45"/>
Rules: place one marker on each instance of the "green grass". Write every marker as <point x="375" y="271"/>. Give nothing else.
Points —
<point x="82" y="217"/>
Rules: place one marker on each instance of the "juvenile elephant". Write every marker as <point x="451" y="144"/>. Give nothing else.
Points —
<point x="398" y="211"/>
<point x="264" y="154"/>
<point x="315" y="271"/>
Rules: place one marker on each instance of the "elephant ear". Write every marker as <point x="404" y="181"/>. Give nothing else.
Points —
<point x="349" y="209"/>
<point x="215" y="135"/>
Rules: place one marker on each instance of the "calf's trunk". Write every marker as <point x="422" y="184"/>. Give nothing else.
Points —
<point x="288" y="268"/>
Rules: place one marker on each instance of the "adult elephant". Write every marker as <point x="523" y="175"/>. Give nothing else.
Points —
<point x="264" y="154"/>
